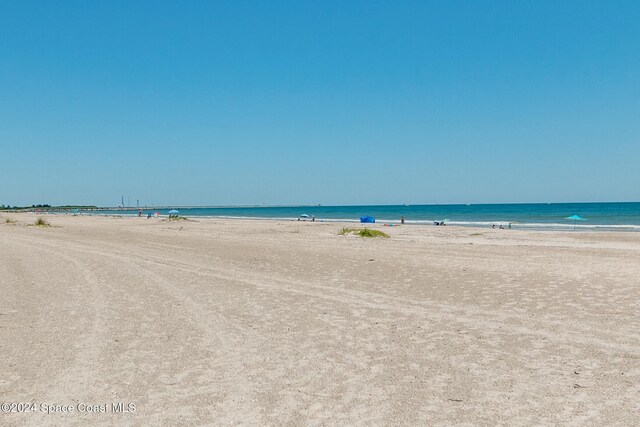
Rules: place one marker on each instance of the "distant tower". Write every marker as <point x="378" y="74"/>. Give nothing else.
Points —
<point x="122" y="204"/>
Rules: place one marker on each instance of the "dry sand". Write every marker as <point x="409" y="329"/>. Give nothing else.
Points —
<point x="270" y="323"/>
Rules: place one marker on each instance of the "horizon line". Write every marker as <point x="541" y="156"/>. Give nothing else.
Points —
<point x="168" y="206"/>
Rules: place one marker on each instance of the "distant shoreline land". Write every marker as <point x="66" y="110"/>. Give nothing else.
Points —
<point x="41" y="208"/>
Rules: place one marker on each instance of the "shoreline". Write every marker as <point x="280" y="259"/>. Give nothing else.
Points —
<point x="543" y="227"/>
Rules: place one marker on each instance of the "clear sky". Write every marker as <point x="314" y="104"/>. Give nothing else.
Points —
<point x="332" y="102"/>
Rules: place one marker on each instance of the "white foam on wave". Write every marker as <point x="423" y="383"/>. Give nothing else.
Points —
<point x="547" y="225"/>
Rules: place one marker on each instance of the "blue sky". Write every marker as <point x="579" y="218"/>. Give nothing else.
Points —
<point x="332" y="102"/>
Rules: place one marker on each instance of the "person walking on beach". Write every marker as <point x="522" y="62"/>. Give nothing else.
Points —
<point x="402" y="220"/>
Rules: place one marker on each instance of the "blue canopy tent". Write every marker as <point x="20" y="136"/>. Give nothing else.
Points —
<point x="575" y="218"/>
<point x="367" y="219"/>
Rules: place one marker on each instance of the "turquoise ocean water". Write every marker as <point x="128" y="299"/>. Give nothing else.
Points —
<point x="599" y="216"/>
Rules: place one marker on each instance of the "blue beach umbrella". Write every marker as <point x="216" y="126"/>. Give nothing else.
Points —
<point x="304" y="216"/>
<point x="575" y="218"/>
<point x="173" y="212"/>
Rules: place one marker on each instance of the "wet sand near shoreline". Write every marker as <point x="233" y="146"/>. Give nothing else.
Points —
<point x="277" y="322"/>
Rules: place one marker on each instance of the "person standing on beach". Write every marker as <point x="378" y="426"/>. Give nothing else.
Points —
<point x="402" y="220"/>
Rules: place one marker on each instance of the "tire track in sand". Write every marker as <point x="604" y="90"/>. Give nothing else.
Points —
<point x="238" y="404"/>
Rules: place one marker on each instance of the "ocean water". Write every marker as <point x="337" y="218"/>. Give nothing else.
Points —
<point x="599" y="216"/>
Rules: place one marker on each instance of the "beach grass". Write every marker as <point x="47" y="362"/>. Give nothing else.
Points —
<point x="9" y="221"/>
<point x="41" y="222"/>
<point x="363" y="232"/>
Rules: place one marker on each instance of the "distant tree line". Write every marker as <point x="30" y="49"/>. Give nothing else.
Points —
<point x="24" y="207"/>
<point x="46" y="206"/>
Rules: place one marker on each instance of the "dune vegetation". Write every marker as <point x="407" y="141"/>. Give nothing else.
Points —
<point x="363" y="232"/>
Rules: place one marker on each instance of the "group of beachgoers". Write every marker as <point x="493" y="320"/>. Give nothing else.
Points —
<point x="149" y="215"/>
<point x="500" y="226"/>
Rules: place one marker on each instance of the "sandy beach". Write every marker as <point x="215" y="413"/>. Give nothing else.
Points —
<point x="273" y="322"/>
